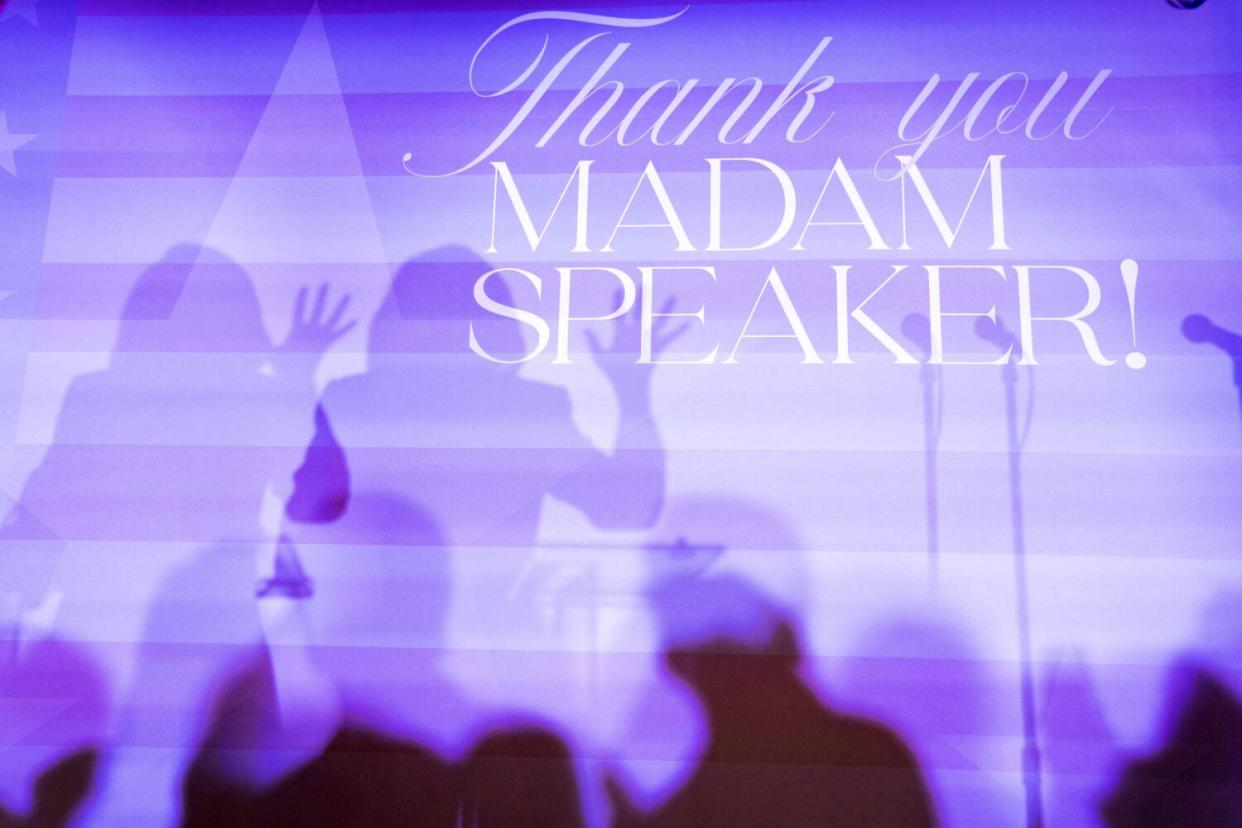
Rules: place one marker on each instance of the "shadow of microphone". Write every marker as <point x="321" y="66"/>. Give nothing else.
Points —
<point x="1198" y="328"/>
<point x="994" y="331"/>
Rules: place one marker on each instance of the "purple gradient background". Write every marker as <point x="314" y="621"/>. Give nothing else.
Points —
<point x="268" y="137"/>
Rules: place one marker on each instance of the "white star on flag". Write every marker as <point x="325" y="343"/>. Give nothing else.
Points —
<point x="8" y="143"/>
<point x="24" y="9"/>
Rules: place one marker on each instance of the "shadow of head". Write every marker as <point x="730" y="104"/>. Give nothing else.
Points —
<point x="194" y="299"/>
<point x="431" y="305"/>
<point x="711" y="627"/>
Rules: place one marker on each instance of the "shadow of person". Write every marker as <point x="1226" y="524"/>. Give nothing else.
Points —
<point x="53" y="712"/>
<point x="520" y="775"/>
<point x="378" y="596"/>
<point x="202" y="622"/>
<point x="184" y="416"/>
<point x="775" y="754"/>
<point x="661" y="724"/>
<point x="1195" y="778"/>
<point x="481" y="447"/>
<point x="471" y="440"/>
<point x="372" y="626"/>
<point x="173" y="444"/>
<point x="362" y="778"/>
<point x="922" y="674"/>
<point x="59" y="793"/>
<point x="515" y="776"/>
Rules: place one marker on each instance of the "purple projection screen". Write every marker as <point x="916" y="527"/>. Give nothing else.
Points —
<point x="731" y="413"/>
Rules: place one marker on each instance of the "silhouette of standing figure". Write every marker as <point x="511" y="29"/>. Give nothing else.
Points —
<point x="164" y="456"/>
<point x="775" y="754"/>
<point x="477" y="445"/>
<point x="178" y="439"/>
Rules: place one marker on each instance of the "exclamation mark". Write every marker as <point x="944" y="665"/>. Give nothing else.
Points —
<point x="1129" y="274"/>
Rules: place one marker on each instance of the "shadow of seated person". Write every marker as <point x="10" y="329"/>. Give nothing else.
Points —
<point x="775" y="755"/>
<point x="1195" y="780"/>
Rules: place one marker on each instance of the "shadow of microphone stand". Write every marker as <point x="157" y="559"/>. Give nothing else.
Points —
<point x="917" y="329"/>
<point x="997" y="334"/>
